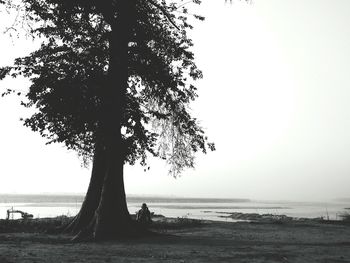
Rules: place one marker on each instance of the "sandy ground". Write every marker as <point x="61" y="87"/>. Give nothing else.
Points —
<point x="206" y="242"/>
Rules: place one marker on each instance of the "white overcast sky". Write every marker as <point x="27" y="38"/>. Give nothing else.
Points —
<point x="274" y="98"/>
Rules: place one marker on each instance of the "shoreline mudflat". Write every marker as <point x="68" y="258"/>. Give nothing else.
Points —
<point x="193" y="241"/>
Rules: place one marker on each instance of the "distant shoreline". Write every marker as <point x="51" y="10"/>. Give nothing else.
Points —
<point x="61" y="198"/>
<point x="67" y="197"/>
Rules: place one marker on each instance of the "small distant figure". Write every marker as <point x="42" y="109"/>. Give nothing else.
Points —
<point x="143" y="216"/>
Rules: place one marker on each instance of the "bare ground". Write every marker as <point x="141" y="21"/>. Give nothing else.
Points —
<point x="303" y="242"/>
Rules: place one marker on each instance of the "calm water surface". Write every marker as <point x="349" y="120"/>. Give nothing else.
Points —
<point x="199" y="208"/>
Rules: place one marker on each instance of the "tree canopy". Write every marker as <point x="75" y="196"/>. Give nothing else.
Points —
<point x="70" y="69"/>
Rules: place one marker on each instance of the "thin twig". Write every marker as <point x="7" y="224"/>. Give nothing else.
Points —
<point x="184" y="4"/>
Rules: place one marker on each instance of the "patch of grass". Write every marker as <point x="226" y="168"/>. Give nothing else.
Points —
<point x="33" y="225"/>
<point x="187" y="222"/>
<point x="175" y="223"/>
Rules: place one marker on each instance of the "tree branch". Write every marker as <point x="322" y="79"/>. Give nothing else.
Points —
<point x="165" y="12"/>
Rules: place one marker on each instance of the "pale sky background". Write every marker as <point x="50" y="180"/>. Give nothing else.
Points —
<point x="274" y="98"/>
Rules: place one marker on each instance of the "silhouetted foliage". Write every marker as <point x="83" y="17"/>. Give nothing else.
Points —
<point x="71" y="66"/>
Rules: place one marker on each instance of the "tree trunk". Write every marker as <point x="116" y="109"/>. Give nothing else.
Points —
<point x="92" y="198"/>
<point x="112" y="215"/>
<point x="111" y="219"/>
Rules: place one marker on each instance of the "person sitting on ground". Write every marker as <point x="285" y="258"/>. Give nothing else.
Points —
<point x="143" y="216"/>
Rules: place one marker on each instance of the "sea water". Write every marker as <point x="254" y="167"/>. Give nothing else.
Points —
<point x="41" y="206"/>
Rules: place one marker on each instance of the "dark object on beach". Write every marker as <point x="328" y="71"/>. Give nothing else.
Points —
<point x="143" y="216"/>
<point x="23" y="214"/>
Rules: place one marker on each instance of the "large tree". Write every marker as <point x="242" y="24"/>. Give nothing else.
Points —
<point x="113" y="80"/>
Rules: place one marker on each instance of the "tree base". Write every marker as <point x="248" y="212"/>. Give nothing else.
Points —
<point x="134" y="230"/>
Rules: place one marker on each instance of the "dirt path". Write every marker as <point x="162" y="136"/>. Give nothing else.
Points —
<point x="208" y="242"/>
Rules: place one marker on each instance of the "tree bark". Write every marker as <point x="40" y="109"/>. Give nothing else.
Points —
<point x="92" y="198"/>
<point x="112" y="215"/>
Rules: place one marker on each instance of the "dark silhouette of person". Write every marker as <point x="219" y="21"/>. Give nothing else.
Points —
<point x="143" y="216"/>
